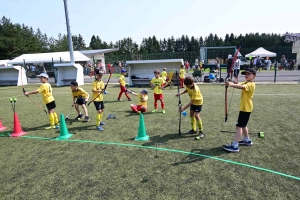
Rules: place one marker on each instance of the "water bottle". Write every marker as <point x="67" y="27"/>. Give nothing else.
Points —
<point x="184" y="113"/>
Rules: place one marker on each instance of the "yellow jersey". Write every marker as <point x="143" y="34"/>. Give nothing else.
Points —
<point x="46" y="90"/>
<point x="122" y="80"/>
<point x="246" y="104"/>
<point x="141" y="102"/>
<point x="195" y="95"/>
<point x="157" y="82"/>
<point x="182" y="73"/>
<point x="164" y="75"/>
<point x="97" y="85"/>
<point x="171" y="73"/>
<point x="80" y="93"/>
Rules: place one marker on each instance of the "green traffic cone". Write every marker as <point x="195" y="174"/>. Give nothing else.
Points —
<point x="142" y="135"/>
<point x="64" y="134"/>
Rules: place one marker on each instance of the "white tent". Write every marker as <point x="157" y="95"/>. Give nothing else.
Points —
<point x="47" y="57"/>
<point x="262" y="53"/>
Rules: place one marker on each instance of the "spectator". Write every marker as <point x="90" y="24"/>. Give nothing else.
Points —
<point x="283" y="62"/>
<point x="254" y="62"/>
<point x="258" y="63"/>
<point x="236" y="70"/>
<point x="187" y="66"/>
<point x="229" y="68"/>
<point x="196" y="63"/>
<point x="218" y="66"/>
<point x="108" y="66"/>
<point x="292" y="64"/>
<point x="268" y="63"/>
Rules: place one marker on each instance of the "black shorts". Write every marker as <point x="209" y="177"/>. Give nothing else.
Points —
<point x="99" y="105"/>
<point x="51" y="105"/>
<point x="196" y="108"/>
<point x="236" y="72"/>
<point x="243" y="119"/>
<point x="80" y="101"/>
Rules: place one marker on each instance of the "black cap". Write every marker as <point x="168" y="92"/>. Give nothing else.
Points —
<point x="98" y="72"/>
<point x="250" y="70"/>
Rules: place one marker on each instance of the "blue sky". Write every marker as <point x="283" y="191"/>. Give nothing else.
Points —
<point x="116" y="19"/>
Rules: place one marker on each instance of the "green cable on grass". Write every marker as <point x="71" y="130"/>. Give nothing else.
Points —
<point x="171" y="150"/>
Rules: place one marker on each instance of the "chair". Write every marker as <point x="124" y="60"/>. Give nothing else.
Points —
<point x="197" y="75"/>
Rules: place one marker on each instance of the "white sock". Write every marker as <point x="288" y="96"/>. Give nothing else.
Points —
<point x="246" y="139"/>
<point x="235" y="144"/>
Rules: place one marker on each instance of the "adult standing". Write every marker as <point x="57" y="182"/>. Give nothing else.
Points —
<point x="196" y="63"/>
<point x="268" y="63"/>
<point x="187" y="66"/>
<point x="258" y="63"/>
<point x="283" y="62"/>
<point x="218" y="66"/>
<point x="236" y="70"/>
<point x="229" y="68"/>
<point x="108" y="66"/>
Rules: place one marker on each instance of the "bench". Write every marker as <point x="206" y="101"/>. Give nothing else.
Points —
<point x="68" y="79"/>
<point x="197" y="76"/>
<point x="140" y="81"/>
<point x="8" y="82"/>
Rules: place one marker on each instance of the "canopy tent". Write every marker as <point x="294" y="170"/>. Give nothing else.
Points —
<point x="262" y="53"/>
<point x="47" y="57"/>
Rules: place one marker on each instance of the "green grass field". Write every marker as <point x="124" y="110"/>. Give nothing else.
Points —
<point x="110" y="164"/>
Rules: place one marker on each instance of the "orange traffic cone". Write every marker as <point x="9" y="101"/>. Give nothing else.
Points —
<point x="2" y="128"/>
<point x="17" y="127"/>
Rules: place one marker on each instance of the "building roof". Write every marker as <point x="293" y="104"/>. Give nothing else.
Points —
<point x="47" y="57"/>
<point x="91" y="53"/>
<point x="130" y="62"/>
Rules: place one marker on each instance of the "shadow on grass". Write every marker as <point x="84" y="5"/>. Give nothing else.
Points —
<point x="164" y="139"/>
<point x="213" y="152"/>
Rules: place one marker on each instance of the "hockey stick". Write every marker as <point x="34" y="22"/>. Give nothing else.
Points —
<point x="179" y="103"/>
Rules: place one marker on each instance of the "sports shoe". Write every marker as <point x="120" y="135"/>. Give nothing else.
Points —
<point x="201" y="134"/>
<point x="138" y="112"/>
<point x="80" y="116"/>
<point x="163" y="111"/>
<point x="130" y="99"/>
<point x="100" y="128"/>
<point x="119" y="99"/>
<point x="50" y="127"/>
<point x="243" y="142"/>
<point x="57" y="124"/>
<point x="87" y="119"/>
<point x="102" y="123"/>
<point x="191" y="132"/>
<point x="231" y="148"/>
<point x="154" y="110"/>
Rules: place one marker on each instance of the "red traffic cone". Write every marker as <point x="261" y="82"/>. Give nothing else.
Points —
<point x="2" y="128"/>
<point x="17" y="127"/>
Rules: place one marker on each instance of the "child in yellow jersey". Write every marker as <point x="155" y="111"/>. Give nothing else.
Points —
<point x="246" y="107"/>
<point x="142" y="105"/>
<point x="80" y="97"/>
<point x="97" y="89"/>
<point x="164" y="76"/>
<point x="122" y="86"/>
<point x="195" y="105"/>
<point x="157" y="83"/>
<point x="46" y="90"/>
<point x="182" y="76"/>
